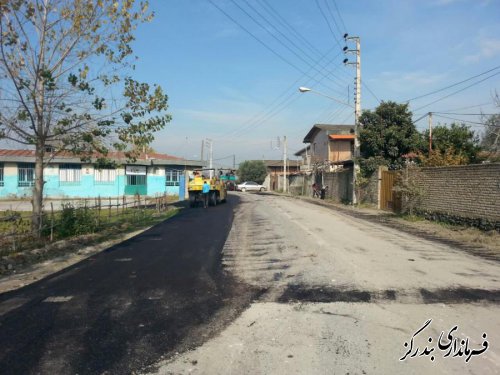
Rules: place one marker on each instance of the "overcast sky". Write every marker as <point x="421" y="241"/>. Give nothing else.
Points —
<point x="235" y="79"/>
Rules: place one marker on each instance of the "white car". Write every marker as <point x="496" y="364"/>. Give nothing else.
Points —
<point x="250" y="186"/>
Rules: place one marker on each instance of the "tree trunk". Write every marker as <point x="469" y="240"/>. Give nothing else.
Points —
<point x="37" y="199"/>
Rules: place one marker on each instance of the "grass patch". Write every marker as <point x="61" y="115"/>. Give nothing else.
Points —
<point x="39" y="250"/>
<point x="16" y="235"/>
<point x="412" y="218"/>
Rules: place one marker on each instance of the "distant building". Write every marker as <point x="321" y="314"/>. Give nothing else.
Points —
<point x="275" y="171"/>
<point x="66" y="175"/>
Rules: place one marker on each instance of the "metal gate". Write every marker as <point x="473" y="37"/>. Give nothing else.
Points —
<point x="389" y="200"/>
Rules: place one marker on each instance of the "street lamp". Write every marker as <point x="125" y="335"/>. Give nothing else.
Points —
<point x="306" y="89"/>
<point x="356" y="143"/>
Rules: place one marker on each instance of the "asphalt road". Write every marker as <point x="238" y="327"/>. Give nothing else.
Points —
<point x="126" y="308"/>
<point x="343" y="296"/>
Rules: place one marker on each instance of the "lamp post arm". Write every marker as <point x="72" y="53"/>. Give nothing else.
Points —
<point x="304" y="89"/>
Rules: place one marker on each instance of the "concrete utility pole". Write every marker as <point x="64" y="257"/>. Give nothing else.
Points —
<point x="209" y="144"/>
<point x="430" y="132"/>
<point x="284" y="165"/>
<point x="357" y="106"/>
<point x="211" y="157"/>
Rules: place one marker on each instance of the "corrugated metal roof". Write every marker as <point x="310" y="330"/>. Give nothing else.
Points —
<point x="65" y="156"/>
<point x="342" y="136"/>
<point x="329" y="128"/>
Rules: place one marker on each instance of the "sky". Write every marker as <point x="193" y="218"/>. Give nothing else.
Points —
<point x="232" y="68"/>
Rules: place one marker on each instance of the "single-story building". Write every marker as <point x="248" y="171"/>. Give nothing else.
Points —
<point x="65" y="175"/>
<point x="274" y="178"/>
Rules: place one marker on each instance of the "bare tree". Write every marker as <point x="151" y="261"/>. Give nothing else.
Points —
<point x="491" y="137"/>
<point x="61" y="62"/>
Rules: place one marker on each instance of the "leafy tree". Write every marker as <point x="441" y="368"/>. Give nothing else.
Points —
<point x="386" y="134"/>
<point x="61" y="64"/>
<point x="456" y="144"/>
<point x="438" y="158"/>
<point x="252" y="170"/>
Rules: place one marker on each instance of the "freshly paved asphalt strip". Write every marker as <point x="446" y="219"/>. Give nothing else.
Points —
<point x="126" y="308"/>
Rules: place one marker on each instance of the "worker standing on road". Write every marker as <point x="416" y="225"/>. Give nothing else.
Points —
<point x="205" y="191"/>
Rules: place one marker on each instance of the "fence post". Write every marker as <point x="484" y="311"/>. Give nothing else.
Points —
<point x="51" y="221"/>
<point x="109" y="210"/>
<point x="98" y="211"/>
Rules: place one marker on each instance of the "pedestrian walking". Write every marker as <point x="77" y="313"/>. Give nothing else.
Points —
<point x="205" y="191"/>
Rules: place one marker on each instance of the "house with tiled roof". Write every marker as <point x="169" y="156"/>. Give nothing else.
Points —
<point x="66" y="175"/>
<point x="329" y="146"/>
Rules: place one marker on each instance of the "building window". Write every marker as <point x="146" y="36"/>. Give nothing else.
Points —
<point x="133" y="179"/>
<point x="104" y="176"/>
<point x="172" y="177"/>
<point x="1" y="174"/>
<point x="26" y="174"/>
<point x="70" y="174"/>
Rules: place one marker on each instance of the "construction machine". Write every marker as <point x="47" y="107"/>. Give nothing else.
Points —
<point x="218" y="192"/>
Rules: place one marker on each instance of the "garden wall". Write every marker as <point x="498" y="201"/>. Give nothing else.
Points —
<point x="467" y="194"/>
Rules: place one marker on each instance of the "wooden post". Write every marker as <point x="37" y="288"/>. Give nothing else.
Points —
<point x="110" y="205"/>
<point x="51" y="221"/>
<point x="98" y="211"/>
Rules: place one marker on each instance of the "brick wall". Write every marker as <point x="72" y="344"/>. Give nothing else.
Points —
<point x="465" y="194"/>
<point x="339" y="185"/>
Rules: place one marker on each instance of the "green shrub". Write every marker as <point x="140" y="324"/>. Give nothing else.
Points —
<point x="74" y="221"/>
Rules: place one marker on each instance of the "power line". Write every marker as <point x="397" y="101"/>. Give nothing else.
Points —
<point x="467" y="114"/>
<point x="328" y="23"/>
<point x="456" y="92"/>
<point x="463" y="121"/>
<point x="280" y="41"/>
<point x="334" y="20"/>
<point x="452" y="85"/>
<point x="279" y="19"/>
<point x="256" y="38"/>
<point x="370" y="91"/>
<point x="469" y="107"/>
<point x="283" y="22"/>
<point x="275" y="108"/>
<point x="340" y="16"/>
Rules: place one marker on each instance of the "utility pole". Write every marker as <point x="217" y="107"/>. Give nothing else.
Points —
<point x="211" y="155"/>
<point x="284" y="165"/>
<point x="430" y="133"/>
<point x="357" y="106"/>
<point x="208" y="143"/>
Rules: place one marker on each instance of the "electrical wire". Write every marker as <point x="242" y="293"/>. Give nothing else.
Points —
<point x="467" y="114"/>
<point x="333" y="18"/>
<point x="275" y="108"/>
<point x="462" y="121"/>
<point x="282" y="43"/>
<point x="280" y="20"/>
<point x="370" y="91"/>
<point x="340" y="16"/>
<point x="458" y="91"/>
<point x="452" y="85"/>
<point x="328" y="23"/>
